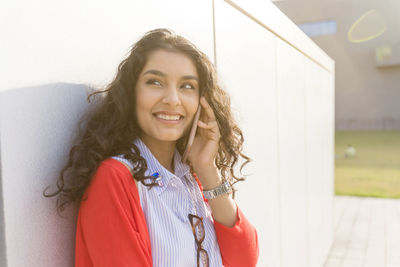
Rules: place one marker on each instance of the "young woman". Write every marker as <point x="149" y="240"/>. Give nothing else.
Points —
<point x="139" y="203"/>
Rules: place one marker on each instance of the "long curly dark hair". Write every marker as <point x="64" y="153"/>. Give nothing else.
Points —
<point x="111" y="126"/>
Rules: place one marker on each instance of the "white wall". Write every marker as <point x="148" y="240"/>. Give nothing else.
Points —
<point x="35" y="135"/>
<point x="282" y="92"/>
<point x="282" y="84"/>
<point x="246" y="63"/>
<point x="84" y="41"/>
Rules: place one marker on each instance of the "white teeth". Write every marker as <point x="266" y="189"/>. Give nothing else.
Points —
<point x="168" y="117"/>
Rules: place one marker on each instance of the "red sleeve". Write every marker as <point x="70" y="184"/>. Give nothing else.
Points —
<point x="238" y="244"/>
<point x="111" y="228"/>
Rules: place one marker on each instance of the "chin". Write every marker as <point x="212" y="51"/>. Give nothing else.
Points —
<point x="170" y="137"/>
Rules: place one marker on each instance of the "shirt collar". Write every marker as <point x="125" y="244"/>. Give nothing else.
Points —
<point x="153" y="166"/>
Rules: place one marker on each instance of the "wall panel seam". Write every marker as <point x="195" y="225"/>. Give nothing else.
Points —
<point x="3" y="243"/>
<point x="277" y="150"/>
<point x="214" y="33"/>
<point x="306" y="161"/>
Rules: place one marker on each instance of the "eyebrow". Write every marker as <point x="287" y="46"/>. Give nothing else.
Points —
<point x="159" y="73"/>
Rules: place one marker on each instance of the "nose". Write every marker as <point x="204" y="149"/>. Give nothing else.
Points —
<point x="172" y="97"/>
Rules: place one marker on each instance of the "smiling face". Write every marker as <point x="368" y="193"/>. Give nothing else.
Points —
<point x="167" y="96"/>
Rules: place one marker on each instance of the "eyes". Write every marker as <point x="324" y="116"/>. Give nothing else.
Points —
<point x="158" y="83"/>
<point x="153" y="82"/>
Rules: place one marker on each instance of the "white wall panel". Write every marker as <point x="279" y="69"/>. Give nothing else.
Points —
<point x="315" y="115"/>
<point x="84" y="41"/>
<point x="246" y="63"/>
<point x="292" y="155"/>
<point x="300" y="197"/>
<point x="36" y="130"/>
<point x="328" y="126"/>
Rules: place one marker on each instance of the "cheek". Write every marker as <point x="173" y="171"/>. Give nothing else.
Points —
<point x="144" y="101"/>
<point x="138" y="106"/>
<point x="142" y="108"/>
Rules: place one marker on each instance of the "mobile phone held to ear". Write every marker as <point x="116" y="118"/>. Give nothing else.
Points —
<point x="192" y="134"/>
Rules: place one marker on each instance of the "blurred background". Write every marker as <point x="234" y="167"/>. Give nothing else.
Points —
<point x="363" y="38"/>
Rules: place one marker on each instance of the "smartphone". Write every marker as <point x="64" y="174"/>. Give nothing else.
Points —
<point x="191" y="134"/>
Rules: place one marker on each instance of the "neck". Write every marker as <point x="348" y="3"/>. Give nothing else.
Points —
<point x="163" y="151"/>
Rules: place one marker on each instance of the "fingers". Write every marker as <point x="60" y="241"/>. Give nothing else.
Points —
<point x="208" y="125"/>
<point x="208" y="121"/>
<point x="209" y="130"/>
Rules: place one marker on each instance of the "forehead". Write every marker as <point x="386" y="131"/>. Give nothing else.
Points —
<point x="170" y="62"/>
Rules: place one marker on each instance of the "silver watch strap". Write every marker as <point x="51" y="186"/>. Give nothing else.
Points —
<point x="224" y="188"/>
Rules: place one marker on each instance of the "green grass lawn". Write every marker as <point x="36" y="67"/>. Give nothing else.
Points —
<point x="375" y="170"/>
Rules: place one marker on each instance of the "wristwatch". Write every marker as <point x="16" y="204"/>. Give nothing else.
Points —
<point x="224" y="188"/>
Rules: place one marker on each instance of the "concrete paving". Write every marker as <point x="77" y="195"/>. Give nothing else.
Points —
<point x="367" y="233"/>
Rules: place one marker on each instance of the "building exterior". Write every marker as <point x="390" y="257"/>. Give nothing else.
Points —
<point x="366" y="49"/>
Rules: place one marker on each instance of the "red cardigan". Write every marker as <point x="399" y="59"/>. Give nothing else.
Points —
<point x="112" y="230"/>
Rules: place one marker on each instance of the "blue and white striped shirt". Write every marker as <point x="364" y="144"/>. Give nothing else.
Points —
<point x="166" y="208"/>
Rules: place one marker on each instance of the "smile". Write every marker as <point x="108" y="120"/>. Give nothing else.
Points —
<point x="166" y="117"/>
